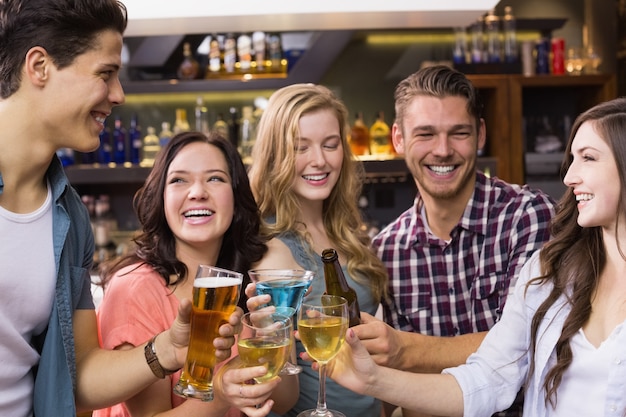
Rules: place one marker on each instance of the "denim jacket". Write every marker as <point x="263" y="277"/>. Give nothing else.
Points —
<point x="55" y="376"/>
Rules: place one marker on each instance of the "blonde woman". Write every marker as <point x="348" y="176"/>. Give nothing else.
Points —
<point x="306" y="184"/>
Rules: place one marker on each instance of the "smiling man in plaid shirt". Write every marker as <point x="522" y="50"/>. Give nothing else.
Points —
<point x="453" y="256"/>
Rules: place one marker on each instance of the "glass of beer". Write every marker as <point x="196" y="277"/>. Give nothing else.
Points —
<point x="322" y="325"/>
<point x="215" y="297"/>
<point x="265" y="339"/>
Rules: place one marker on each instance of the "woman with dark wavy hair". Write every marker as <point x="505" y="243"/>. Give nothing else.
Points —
<point x="196" y="207"/>
<point x="562" y="333"/>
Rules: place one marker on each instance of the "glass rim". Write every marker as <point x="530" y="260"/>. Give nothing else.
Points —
<point x="317" y="301"/>
<point x="282" y="272"/>
<point x="285" y="319"/>
<point x="227" y="273"/>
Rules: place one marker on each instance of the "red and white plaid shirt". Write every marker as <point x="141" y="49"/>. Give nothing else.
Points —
<point x="449" y="288"/>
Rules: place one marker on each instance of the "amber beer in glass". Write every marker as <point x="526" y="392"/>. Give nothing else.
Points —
<point x="215" y="297"/>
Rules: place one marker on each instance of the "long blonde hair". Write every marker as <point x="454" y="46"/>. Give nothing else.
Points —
<point x="273" y="170"/>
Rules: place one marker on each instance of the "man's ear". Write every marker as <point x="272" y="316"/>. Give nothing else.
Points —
<point x="396" y="138"/>
<point x="37" y="66"/>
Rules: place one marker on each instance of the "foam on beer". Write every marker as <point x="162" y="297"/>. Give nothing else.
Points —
<point x="216" y="282"/>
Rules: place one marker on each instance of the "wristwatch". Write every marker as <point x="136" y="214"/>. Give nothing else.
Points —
<point x="153" y="361"/>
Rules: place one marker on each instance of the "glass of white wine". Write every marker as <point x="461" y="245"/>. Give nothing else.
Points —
<point x="265" y="339"/>
<point x="322" y="325"/>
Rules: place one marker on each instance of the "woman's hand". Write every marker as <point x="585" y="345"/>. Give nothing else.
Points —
<point x="225" y="342"/>
<point x="255" y="301"/>
<point x="231" y="384"/>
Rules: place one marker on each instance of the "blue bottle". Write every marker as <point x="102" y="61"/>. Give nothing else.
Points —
<point x="119" y="142"/>
<point x="135" y="140"/>
<point x="105" y="152"/>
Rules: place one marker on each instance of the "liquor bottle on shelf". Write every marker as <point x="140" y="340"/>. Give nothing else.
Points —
<point x="233" y="127"/>
<point x="135" y="141"/>
<point x="492" y="28"/>
<point x="119" y="142"/>
<point x="258" y="44"/>
<point x="151" y="146"/>
<point x="380" y="139"/>
<point x="477" y="42"/>
<point x="201" y="115"/>
<point x="244" y="53"/>
<point x="275" y="52"/>
<point x="105" y="151"/>
<point x="189" y="68"/>
<point x="215" y="58"/>
<point x="459" y="52"/>
<point x="510" y="36"/>
<point x="230" y="53"/>
<point x="181" y="124"/>
<point x="247" y="134"/>
<point x="165" y="135"/>
<point x="220" y="126"/>
<point x="359" y="136"/>
<point x="336" y="284"/>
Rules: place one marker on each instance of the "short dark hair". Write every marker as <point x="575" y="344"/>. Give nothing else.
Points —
<point x="65" y="28"/>
<point x="437" y="81"/>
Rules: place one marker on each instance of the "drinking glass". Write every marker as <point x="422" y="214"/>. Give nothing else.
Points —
<point x="322" y="325"/>
<point x="287" y="288"/>
<point x="215" y="296"/>
<point x="265" y="339"/>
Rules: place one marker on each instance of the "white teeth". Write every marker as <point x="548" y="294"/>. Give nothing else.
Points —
<point x="441" y="169"/>
<point x="192" y="213"/>
<point x="584" y="197"/>
<point x="315" y="177"/>
<point x="101" y="119"/>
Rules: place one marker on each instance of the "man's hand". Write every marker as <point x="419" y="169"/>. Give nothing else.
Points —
<point x="382" y="341"/>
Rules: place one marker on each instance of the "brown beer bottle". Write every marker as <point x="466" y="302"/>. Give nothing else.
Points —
<point x="336" y="284"/>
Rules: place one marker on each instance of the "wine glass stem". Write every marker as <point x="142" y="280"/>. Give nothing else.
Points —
<point x="321" y="395"/>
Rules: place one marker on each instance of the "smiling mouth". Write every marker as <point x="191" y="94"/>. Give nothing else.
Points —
<point x="198" y="213"/>
<point x="584" y="197"/>
<point x="441" y="169"/>
<point x="315" y="177"/>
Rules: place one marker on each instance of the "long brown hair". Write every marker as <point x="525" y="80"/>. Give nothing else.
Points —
<point x="573" y="260"/>
<point x="156" y="244"/>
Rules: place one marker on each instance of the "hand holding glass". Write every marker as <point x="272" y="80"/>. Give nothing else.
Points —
<point x="287" y="288"/>
<point x="322" y="325"/>
<point x="265" y="339"/>
<point x="215" y="296"/>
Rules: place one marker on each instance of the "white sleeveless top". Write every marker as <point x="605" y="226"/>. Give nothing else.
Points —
<point x="584" y="384"/>
<point x="27" y="282"/>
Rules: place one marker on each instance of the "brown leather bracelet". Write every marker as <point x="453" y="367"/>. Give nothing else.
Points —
<point x="153" y="361"/>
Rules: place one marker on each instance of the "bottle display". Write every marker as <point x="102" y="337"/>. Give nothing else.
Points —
<point x="258" y="44"/>
<point x="275" y="50"/>
<point x="336" y="284"/>
<point x="380" y="136"/>
<point x="359" y="136"/>
<point x="166" y="134"/>
<point x="215" y="57"/>
<point x="247" y="134"/>
<point x="135" y="140"/>
<point x="510" y="36"/>
<point x="201" y="115"/>
<point x="477" y="42"/>
<point x="244" y="52"/>
<point x="492" y="29"/>
<point x="119" y="142"/>
<point x="151" y="146"/>
<point x="189" y="68"/>
<point x="181" y="124"/>
<point x="105" y="151"/>
<point x="230" y="53"/>
<point x="459" y="51"/>
<point x="220" y="126"/>
<point x="233" y="127"/>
